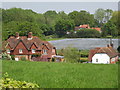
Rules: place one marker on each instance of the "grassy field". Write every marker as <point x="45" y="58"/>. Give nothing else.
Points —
<point x="63" y="75"/>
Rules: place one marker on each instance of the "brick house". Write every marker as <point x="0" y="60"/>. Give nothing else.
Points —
<point x="105" y="55"/>
<point x="27" y="46"/>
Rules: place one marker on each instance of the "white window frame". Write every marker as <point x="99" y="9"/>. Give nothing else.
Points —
<point x="20" y="51"/>
<point x="44" y="51"/>
<point x="8" y="50"/>
<point x="33" y="50"/>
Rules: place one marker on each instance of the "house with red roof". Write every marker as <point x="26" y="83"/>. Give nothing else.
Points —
<point x="86" y="26"/>
<point x="105" y="55"/>
<point x="29" y="46"/>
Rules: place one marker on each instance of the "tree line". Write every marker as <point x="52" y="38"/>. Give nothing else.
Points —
<point x="58" y="24"/>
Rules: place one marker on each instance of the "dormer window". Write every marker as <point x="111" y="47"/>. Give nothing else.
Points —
<point x="33" y="50"/>
<point x="44" y="51"/>
<point x="20" y="51"/>
<point x="8" y="50"/>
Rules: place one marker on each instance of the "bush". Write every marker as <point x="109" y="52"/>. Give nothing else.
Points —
<point x="7" y="82"/>
<point x="6" y="56"/>
<point x="13" y="57"/>
<point x="88" y="33"/>
<point x="71" y="55"/>
<point x="36" y="55"/>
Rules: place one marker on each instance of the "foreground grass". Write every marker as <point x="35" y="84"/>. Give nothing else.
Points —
<point x="63" y="75"/>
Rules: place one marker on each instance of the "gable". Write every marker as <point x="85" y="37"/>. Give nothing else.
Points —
<point x="33" y="46"/>
<point x="8" y="46"/>
<point x="45" y="47"/>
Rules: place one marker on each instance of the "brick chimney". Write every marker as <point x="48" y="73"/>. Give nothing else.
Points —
<point x="30" y="36"/>
<point x="17" y="35"/>
<point x="110" y="45"/>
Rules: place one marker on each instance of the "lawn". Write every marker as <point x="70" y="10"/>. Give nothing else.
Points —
<point x="63" y="75"/>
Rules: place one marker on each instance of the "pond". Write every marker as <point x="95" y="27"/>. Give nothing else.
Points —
<point x="83" y="43"/>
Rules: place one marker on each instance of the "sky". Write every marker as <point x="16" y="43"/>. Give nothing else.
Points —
<point x="67" y="7"/>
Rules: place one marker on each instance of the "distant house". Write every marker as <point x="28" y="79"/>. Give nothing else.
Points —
<point x="29" y="46"/>
<point x="105" y="55"/>
<point x="97" y="28"/>
<point x="86" y="26"/>
<point x="82" y="27"/>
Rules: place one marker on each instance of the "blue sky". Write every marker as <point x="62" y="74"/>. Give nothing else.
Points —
<point x="41" y="7"/>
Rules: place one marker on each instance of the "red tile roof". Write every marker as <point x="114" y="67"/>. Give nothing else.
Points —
<point x="108" y="50"/>
<point x="13" y="41"/>
<point x="96" y="28"/>
<point x="84" y="26"/>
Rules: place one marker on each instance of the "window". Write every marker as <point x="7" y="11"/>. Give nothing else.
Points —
<point x="96" y="60"/>
<point x="33" y="50"/>
<point x="8" y="50"/>
<point x="44" y="51"/>
<point x="20" y="51"/>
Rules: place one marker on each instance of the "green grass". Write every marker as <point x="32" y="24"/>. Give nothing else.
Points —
<point x="63" y="75"/>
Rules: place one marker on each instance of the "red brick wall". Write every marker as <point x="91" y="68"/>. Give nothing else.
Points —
<point x="20" y="46"/>
<point x="44" y="47"/>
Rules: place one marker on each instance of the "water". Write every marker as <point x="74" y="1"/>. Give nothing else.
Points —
<point x="83" y="43"/>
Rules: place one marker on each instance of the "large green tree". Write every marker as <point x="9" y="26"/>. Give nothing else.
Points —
<point x="82" y="17"/>
<point x="62" y="26"/>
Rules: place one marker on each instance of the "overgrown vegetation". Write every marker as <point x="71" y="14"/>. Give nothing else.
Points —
<point x="74" y="55"/>
<point x="7" y="82"/>
<point x="63" y="75"/>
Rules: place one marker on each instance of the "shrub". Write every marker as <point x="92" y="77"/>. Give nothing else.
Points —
<point x="36" y="55"/>
<point x="7" y="82"/>
<point x="71" y="55"/>
<point x="13" y="57"/>
<point x="88" y="33"/>
<point x="6" y="56"/>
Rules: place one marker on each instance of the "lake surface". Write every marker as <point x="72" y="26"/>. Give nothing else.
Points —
<point x="83" y="43"/>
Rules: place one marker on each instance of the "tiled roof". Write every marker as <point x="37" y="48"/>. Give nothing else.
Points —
<point x="13" y="41"/>
<point x="110" y="51"/>
<point x="84" y="26"/>
<point x="96" y="28"/>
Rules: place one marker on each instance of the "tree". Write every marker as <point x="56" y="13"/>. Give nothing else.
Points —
<point x="112" y="26"/>
<point x="118" y="49"/>
<point x="47" y="30"/>
<point x="108" y="14"/>
<point x="82" y="17"/>
<point x="62" y="26"/>
<point x="109" y="29"/>
<point x="116" y="20"/>
<point x="63" y="15"/>
<point x="50" y="17"/>
<point x="99" y="15"/>
<point x="71" y="55"/>
<point x="88" y="33"/>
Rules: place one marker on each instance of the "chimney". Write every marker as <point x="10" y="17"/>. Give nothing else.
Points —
<point x="110" y="45"/>
<point x="107" y="45"/>
<point x="17" y="35"/>
<point x="30" y="35"/>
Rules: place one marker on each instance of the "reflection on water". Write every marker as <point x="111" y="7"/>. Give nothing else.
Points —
<point x="83" y="43"/>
